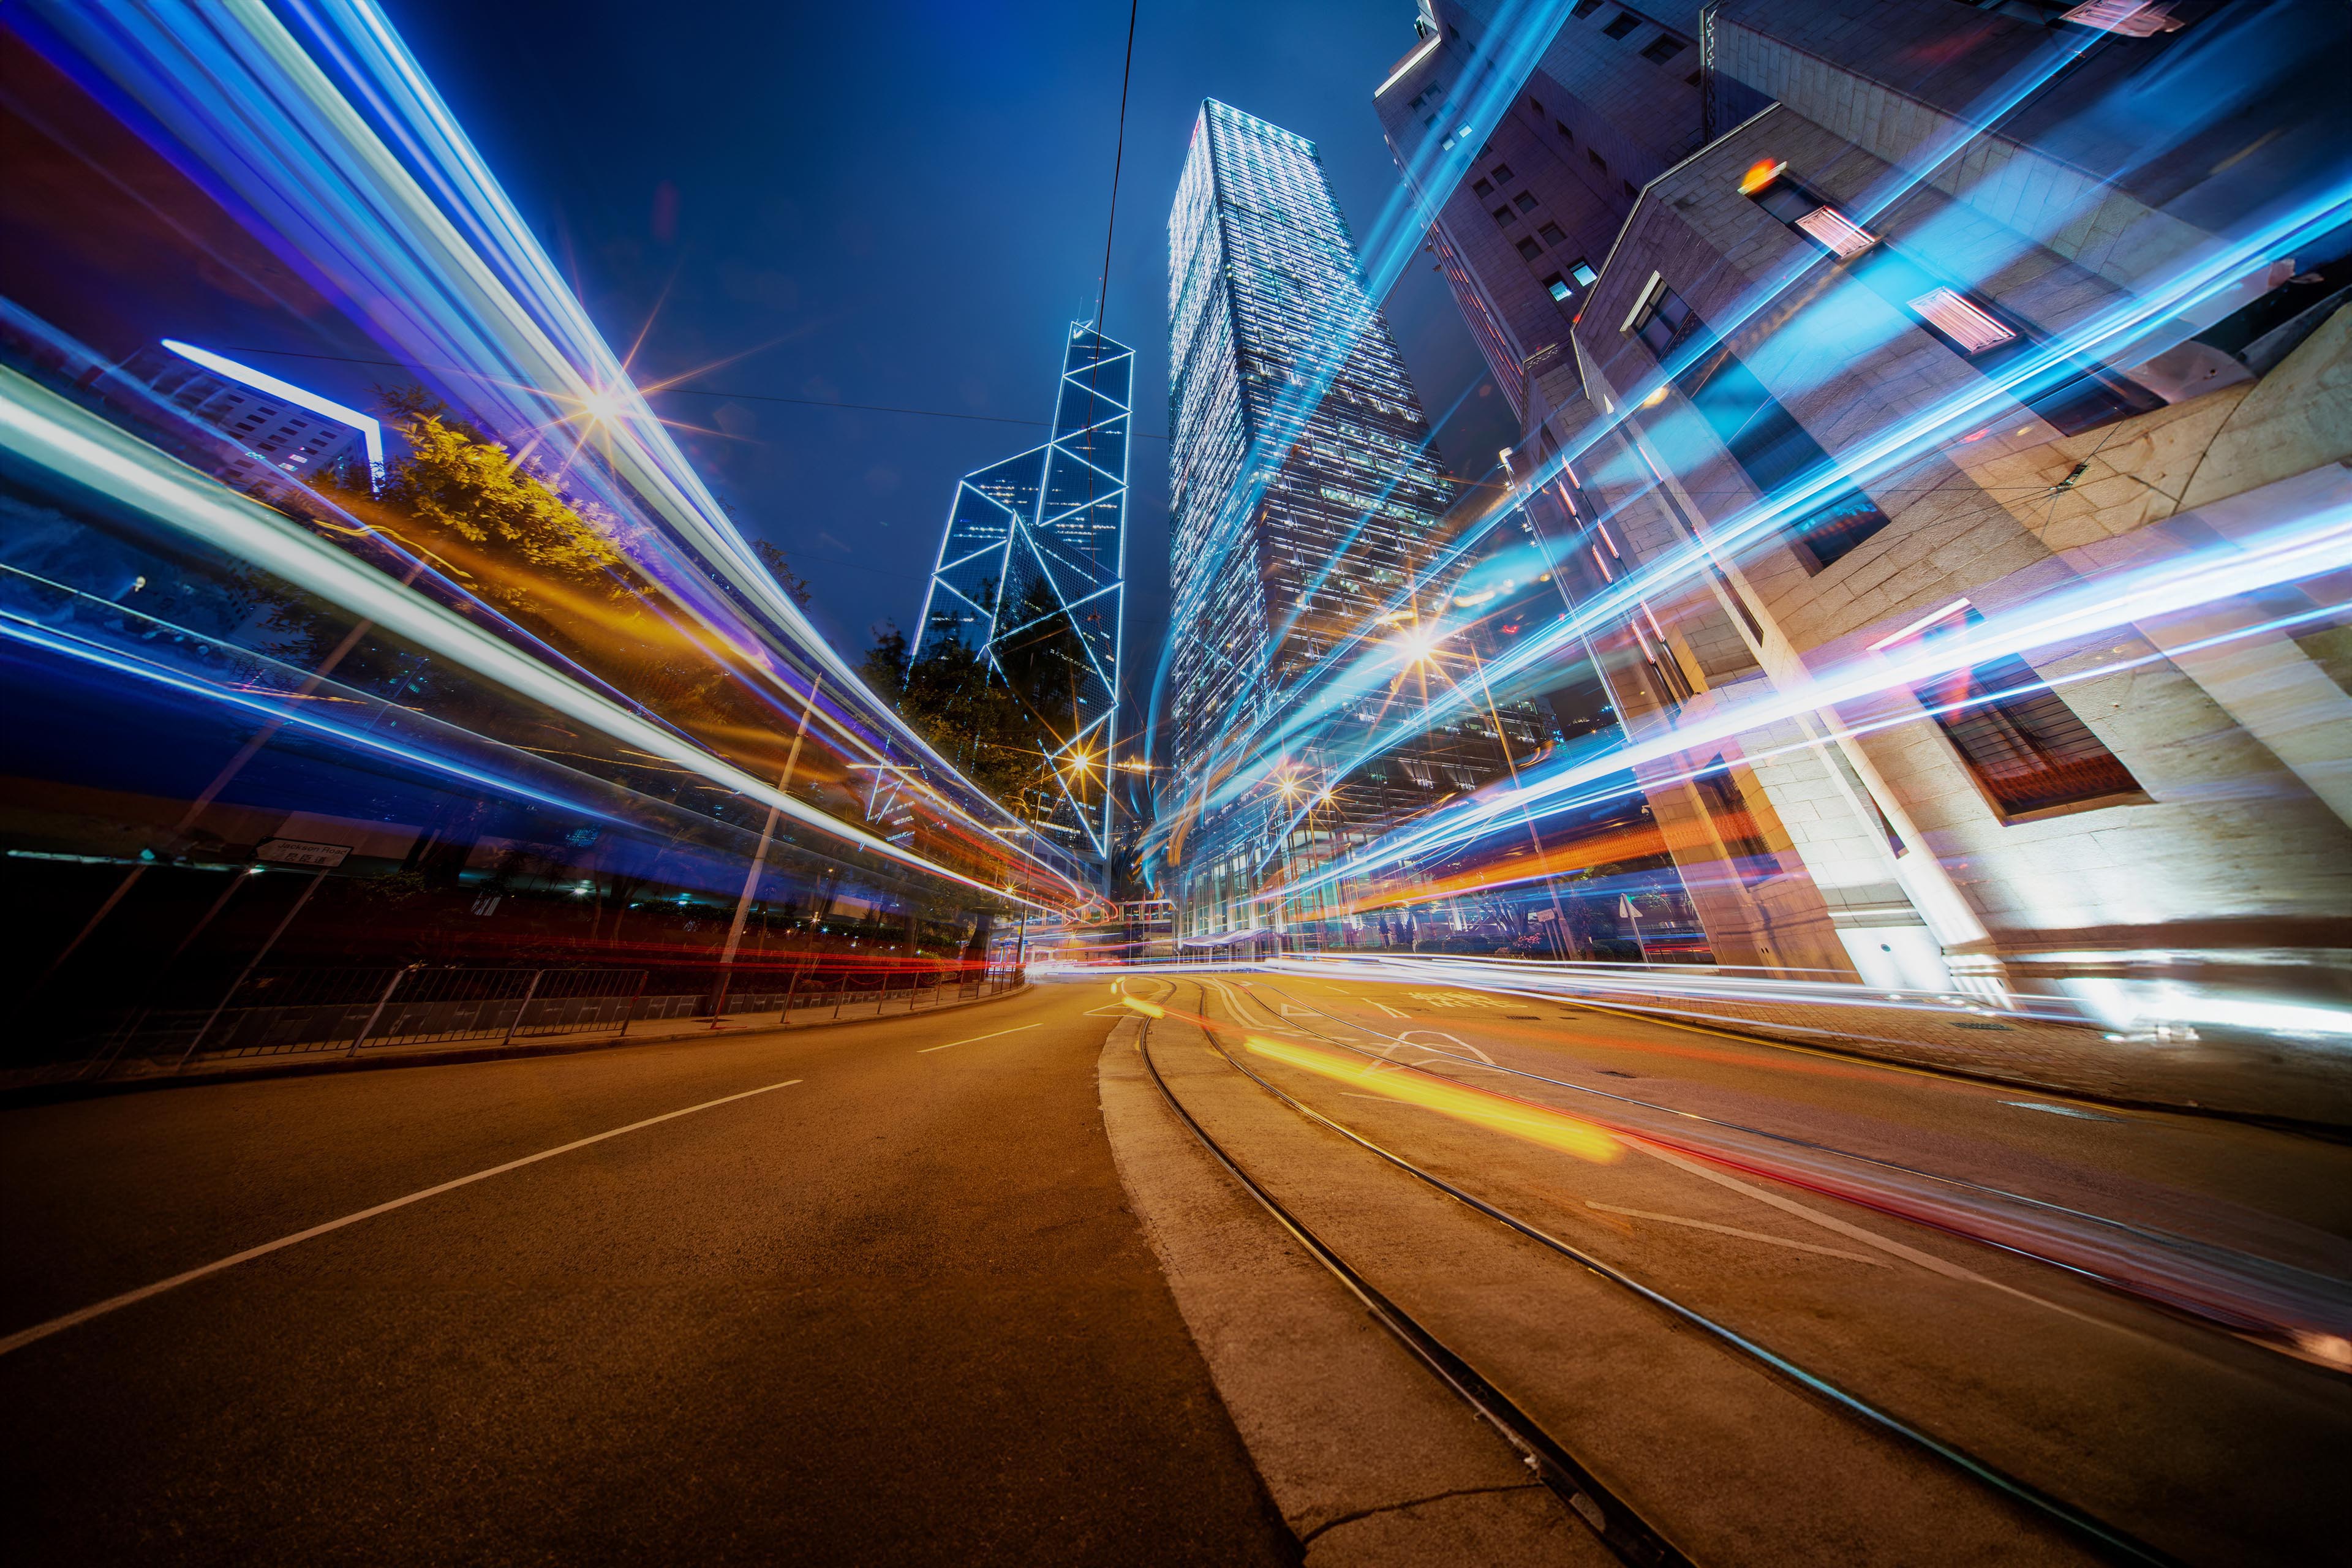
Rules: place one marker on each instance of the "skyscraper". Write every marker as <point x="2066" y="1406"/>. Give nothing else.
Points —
<point x="1031" y="566"/>
<point x="1301" y="474"/>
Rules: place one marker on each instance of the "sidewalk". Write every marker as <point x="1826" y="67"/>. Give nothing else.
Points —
<point x="35" y="1085"/>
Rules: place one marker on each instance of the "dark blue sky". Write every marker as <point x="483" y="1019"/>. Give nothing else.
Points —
<point x="904" y="204"/>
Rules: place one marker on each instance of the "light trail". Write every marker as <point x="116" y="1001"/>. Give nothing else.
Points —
<point x="46" y="430"/>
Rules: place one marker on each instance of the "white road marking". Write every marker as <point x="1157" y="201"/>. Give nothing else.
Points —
<point x="926" y="1051"/>
<point x="24" y="1337"/>
<point x="2061" y="1110"/>
<point x="1454" y="1040"/>
<point x="1925" y="1260"/>
<point x="1734" y="1230"/>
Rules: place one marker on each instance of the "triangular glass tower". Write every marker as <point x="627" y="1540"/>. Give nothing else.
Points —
<point x="1031" y="577"/>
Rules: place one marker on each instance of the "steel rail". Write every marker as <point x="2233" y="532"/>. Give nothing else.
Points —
<point x="2109" y="1542"/>
<point x="1618" y="1528"/>
<point x="2187" y="1246"/>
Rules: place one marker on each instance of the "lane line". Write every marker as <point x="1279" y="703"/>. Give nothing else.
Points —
<point x="1926" y="1260"/>
<point x="24" y="1337"/>
<point x="1014" y="1030"/>
<point x="1734" y="1230"/>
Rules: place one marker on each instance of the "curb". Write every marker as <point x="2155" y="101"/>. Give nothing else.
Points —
<point x="2325" y="1132"/>
<point x="57" y="1094"/>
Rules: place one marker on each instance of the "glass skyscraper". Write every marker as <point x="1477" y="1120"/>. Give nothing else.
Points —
<point x="1302" y="481"/>
<point x="1032" y="563"/>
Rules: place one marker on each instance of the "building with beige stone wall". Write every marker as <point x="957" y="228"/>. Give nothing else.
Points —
<point x="1874" y="375"/>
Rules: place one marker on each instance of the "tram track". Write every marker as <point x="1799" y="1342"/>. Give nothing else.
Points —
<point x="1634" y="1537"/>
<point x="2270" y="1303"/>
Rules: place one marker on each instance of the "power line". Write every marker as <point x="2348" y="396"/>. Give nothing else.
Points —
<point x="1117" y="157"/>
<point x="713" y="391"/>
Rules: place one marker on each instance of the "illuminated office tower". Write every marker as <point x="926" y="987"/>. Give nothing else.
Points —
<point x="1302" y="482"/>
<point x="1031" y="572"/>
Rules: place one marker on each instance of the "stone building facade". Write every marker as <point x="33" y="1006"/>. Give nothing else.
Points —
<point x="1852" y="375"/>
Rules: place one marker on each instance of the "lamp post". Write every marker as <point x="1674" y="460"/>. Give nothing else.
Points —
<point x="759" y="858"/>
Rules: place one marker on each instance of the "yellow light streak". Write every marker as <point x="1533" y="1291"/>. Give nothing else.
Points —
<point x="1480" y="1108"/>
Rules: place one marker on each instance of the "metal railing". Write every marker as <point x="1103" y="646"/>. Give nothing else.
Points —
<point x="317" y="1012"/>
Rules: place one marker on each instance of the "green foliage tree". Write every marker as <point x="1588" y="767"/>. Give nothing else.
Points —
<point x="456" y="482"/>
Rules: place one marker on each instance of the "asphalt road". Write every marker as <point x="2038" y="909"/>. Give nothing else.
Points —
<point x="2072" y="1293"/>
<point x="892" y="1312"/>
<point x="873" y="1295"/>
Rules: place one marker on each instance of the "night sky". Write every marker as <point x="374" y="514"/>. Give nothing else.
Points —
<point x="904" y="204"/>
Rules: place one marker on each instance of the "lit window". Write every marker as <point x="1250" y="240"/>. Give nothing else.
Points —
<point x="2026" y="748"/>
<point x="1624" y="23"/>
<point x="1583" y="275"/>
<point x="2132" y="18"/>
<point x="1837" y="232"/>
<point x="1529" y="249"/>
<point x="1525" y="201"/>
<point x="1551" y="233"/>
<point x="1557" y="286"/>
<point x="1666" y="48"/>
<point x="1951" y="313"/>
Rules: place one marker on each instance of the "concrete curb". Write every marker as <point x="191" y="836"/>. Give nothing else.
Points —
<point x="1927" y="1062"/>
<point x="57" y="1093"/>
<point x="1370" y="1460"/>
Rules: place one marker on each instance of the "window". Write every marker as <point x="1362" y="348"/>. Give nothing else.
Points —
<point x="1505" y="217"/>
<point x="1691" y="80"/>
<point x="1557" y="286"/>
<point x="1585" y="8"/>
<point x="1551" y="234"/>
<point x="1772" y="448"/>
<point x="1625" y="23"/>
<point x="1663" y="321"/>
<point x="1584" y="276"/>
<point x="1530" y="248"/>
<point x="1631" y="193"/>
<point x="1734" y="823"/>
<point x="1536" y="107"/>
<point x="2026" y="748"/>
<point x="1525" y="201"/>
<point x="1565" y="133"/>
<point x="1483" y="188"/>
<point x="1501" y="172"/>
<point x="2071" y="395"/>
<point x="1666" y="46"/>
<point x="1598" y="161"/>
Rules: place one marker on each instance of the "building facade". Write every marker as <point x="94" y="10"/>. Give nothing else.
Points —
<point x="270" y="430"/>
<point x="1837" y="372"/>
<point x="1304" y="488"/>
<point x="1033" y="564"/>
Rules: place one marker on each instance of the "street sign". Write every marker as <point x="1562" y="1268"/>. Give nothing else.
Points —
<point x="300" y="852"/>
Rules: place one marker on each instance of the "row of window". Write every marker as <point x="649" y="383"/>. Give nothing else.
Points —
<point x="1625" y="24"/>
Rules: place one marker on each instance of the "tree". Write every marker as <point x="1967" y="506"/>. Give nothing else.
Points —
<point x="794" y="585"/>
<point x="884" y="668"/>
<point x="456" y="483"/>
